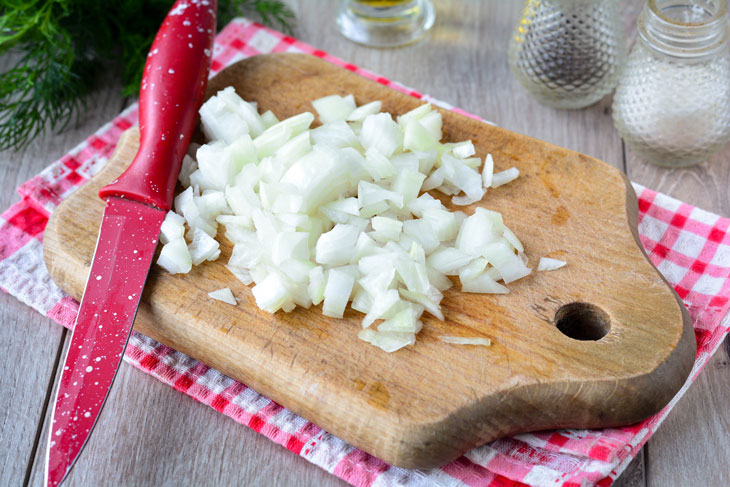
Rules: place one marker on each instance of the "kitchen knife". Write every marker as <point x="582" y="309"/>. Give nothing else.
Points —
<point x="173" y="86"/>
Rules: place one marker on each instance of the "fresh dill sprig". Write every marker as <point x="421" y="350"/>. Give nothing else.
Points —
<point x="58" y="49"/>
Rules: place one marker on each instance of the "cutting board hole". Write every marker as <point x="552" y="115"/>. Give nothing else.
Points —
<point x="582" y="321"/>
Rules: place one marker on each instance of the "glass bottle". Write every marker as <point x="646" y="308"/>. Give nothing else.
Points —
<point x="568" y="53"/>
<point x="385" y="23"/>
<point x="672" y="104"/>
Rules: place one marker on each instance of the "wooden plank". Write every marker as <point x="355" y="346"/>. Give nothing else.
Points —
<point x="31" y="342"/>
<point x="693" y="444"/>
<point x="692" y="447"/>
<point x="150" y="434"/>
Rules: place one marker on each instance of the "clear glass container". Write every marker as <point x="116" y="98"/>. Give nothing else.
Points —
<point x="385" y="23"/>
<point x="568" y="53"/>
<point x="672" y="104"/>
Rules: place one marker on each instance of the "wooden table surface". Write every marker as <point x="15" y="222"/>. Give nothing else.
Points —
<point x="149" y="434"/>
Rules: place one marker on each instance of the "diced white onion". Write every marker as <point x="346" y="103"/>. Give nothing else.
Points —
<point x="175" y="257"/>
<point x="173" y="227"/>
<point x="504" y="177"/>
<point x="340" y="213"/>
<point x="548" y="264"/>
<point x="224" y="295"/>
<point x="271" y="293"/>
<point x="337" y="293"/>
<point x="488" y="172"/>
<point x="359" y="114"/>
<point x="381" y="133"/>
<point x="465" y="340"/>
<point x="334" y="107"/>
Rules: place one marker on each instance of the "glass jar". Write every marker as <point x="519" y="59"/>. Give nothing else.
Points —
<point x="672" y="104"/>
<point x="568" y="53"/>
<point x="385" y="23"/>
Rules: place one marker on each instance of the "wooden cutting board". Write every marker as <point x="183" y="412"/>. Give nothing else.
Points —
<point x="602" y="342"/>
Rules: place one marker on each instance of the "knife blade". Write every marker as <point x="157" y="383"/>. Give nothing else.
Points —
<point x="173" y="85"/>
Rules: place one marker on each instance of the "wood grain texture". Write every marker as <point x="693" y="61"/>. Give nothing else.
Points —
<point x="30" y="341"/>
<point x="691" y="447"/>
<point x="702" y="414"/>
<point x="151" y="435"/>
<point x="533" y="377"/>
<point x="30" y="345"/>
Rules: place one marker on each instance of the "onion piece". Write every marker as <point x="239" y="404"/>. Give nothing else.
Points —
<point x="480" y="229"/>
<point x="267" y="143"/>
<point x="385" y="229"/>
<point x="378" y="281"/>
<point x="378" y="165"/>
<point x="188" y="166"/>
<point x="430" y="301"/>
<point x="513" y="240"/>
<point x="510" y="266"/>
<point x="337" y="246"/>
<point x="483" y="284"/>
<point x="433" y="123"/>
<point x="316" y="285"/>
<point x="337" y="293"/>
<point x="359" y="114"/>
<point x="381" y="304"/>
<point x="417" y="138"/>
<point x="172" y="228"/>
<point x="423" y="203"/>
<point x="462" y="150"/>
<point x="271" y="293"/>
<point x="241" y="274"/>
<point x="175" y="257"/>
<point x="448" y="260"/>
<point x="387" y="341"/>
<point x="443" y="222"/>
<point x="465" y="340"/>
<point x="405" y="321"/>
<point x="297" y="124"/>
<point x="416" y="114"/>
<point x="224" y="295"/>
<point x="334" y="107"/>
<point x="220" y="122"/>
<point x="369" y="194"/>
<point x="548" y="264"/>
<point x="504" y="177"/>
<point x="381" y="133"/>
<point x="269" y="119"/>
<point x="408" y="182"/>
<point x="203" y="247"/>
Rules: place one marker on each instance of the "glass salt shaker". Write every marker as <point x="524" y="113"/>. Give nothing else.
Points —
<point x="568" y="53"/>
<point x="672" y="104"/>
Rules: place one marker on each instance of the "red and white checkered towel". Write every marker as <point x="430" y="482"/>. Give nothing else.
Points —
<point x="691" y="247"/>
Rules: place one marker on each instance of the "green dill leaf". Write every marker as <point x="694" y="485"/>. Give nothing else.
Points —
<point x="60" y="47"/>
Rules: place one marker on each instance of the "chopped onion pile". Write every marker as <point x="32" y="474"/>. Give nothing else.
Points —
<point x="339" y="214"/>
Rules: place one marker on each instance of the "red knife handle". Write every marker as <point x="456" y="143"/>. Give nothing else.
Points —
<point x="173" y="85"/>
